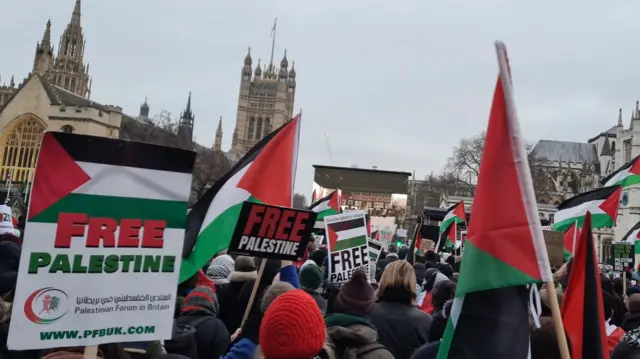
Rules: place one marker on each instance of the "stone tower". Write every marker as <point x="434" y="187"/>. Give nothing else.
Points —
<point x="43" y="59"/>
<point x="217" y="144"/>
<point x="265" y="102"/>
<point x="144" y="111"/>
<point x="69" y="71"/>
<point x="185" y="127"/>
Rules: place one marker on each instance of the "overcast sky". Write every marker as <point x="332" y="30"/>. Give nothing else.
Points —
<point x="394" y="84"/>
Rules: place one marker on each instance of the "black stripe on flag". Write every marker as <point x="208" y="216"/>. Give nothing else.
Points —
<point x="346" y="225"/>
<point x="593" y="195"/>
<point x="110" y="151"/>
<point x="633" y="229"/>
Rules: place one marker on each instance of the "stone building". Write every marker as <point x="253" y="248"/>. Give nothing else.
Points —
<point x="265" y="102"/>
<point x="54" y="96"/>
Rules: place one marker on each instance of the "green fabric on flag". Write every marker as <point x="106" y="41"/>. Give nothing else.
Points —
<point x="117" y="208"/>
<point x="599" y="220"/>
<point x="349" y="243"/>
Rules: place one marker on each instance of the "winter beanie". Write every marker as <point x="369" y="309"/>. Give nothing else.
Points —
<point x="356" y="296"/>
<point x="201" y="298"/>
<point x="220" y="269"/>
<point x="311" y="276"/>
<point x="292" y="327"/>
<point x="244" y="264"/>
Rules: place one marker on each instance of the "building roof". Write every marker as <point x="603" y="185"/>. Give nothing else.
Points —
<point x="59" y="96"/>
<point x="562" y="151"/>
<point x="356" y="169"/>
<point x="608" y="133"/>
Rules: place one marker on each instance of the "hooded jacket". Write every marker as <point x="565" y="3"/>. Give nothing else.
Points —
<point x="354" y="337"/>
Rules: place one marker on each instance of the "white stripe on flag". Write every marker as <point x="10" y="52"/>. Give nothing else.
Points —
<point x="579" y="211"/>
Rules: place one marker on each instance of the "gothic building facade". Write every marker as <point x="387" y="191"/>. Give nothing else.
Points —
<point x="265" y="102"/>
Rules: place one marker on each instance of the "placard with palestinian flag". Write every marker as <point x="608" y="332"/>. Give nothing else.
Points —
<point x="103" y="243"/>
<point x="266" y="174"/>
<point x="348" y="248"/>
<point x="603" y="204"/>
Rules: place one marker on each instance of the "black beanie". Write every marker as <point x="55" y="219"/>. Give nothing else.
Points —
<point x="356" y="296"/>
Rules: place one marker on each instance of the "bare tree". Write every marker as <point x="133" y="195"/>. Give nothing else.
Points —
<point x="463" y="166"/>
<point x="162" y="129"/>
<point x="300" y="201"/>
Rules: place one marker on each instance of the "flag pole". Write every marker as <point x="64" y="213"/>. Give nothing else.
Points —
<point x="505" y="78"/>
<point x="575" y="237"/>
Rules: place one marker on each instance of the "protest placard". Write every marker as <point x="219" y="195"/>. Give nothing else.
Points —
<point x="6" y="220"/>
<point x="623" y="256"/>
<point x="103" y="243"/>
<point x="274" y="232"/>
<point x="374" y="251"/>
<point x="348" y="249"/>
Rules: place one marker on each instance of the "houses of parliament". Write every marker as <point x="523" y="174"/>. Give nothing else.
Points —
<point x="56" y="96"/>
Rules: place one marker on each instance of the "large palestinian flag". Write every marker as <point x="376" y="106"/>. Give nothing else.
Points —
<point x="490" y="312"/>
<point x="602" y="203"/>
<point x="627" y="175"/>
<point x="103" y="177"/>
<point x="327" y="206"/>
<point x="265" y="174"/>
<point x="582" y="309"/>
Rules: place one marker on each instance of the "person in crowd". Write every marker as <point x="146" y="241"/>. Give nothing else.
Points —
<point x="349" y="328"/>
<point x="614" y="333"/>
<point x="220" y="270"/>
<point x="9" y="263"/>
<point x="402" y="327"/>
<point x="183" y="341"/>
<point x="293" y="328"/>
<point x="431" y="259"/>
<point x="629" y="346"/>
<point x="443" y="292"/>
<point x="632" y="319"/>
<point x="392" y="255"/>
<point x="200" y="312"/>
<point x="244" y="271"/>
<point x="318" y="256"/>
<point x="544" y="344"/>
<point x="545" y="310"/>
<point x="433" y="277"/>
<point x="619" y="308"/>
<point x="430" y="350"/>
<point x="421" y="272"/>
<point x="144" y="350"/>
<point x="311" y="281"/>
<point x="403" y="251"/>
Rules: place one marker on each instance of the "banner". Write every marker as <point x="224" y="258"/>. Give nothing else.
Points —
<point x="103" y="243"/>
<point x="6" y="220"/>
<point x="348" y="249"/>
<point x="274" y="232"/>
<point x="623" y="257"/>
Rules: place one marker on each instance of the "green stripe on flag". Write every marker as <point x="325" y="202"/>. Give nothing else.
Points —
<point x="174" y="212"/>
<point x="598" y="220"/>
<point x="349" y="243"/>
<point x="326" y="212"/>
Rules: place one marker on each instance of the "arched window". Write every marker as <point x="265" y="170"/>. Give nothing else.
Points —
<point x="21" y="149"/>
<point x="68" y="129"/>
<point x="252" y="125"/>
<point x="267" y="126"/>
<point x="259" y="129"/>
<point x="73" y="49"/>
<point x="613" y="147"/>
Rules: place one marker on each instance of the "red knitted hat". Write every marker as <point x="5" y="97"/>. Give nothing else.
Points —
<point x="292" y="327"/>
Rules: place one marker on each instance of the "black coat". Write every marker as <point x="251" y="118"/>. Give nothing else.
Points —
<point x="212" y="337"/>
<point x="382" y="264"/>
<point x="231" y="305"/>
<point x="402" y="328"/>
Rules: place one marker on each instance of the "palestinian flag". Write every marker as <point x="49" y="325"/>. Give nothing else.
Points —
<point x="632" y="236"/>
<point x="627" y="175"/>
<point x="447" y="240"/>
<point x="455" y="214"/>
<point x="326" y="206"/>
<point x="570" y="237"/>
<point x="346" y="234"/>
<point x="415" y="243"/>
<point x="374" y="251"/>
<point x="266" y="174"/>
<point x="104" y="177"/>
<point x="582" y="309"/>
<point x="602" y="203"/>
<point x="490" y="312"/>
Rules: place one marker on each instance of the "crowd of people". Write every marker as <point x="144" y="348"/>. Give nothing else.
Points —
<point x="401" y="313"/>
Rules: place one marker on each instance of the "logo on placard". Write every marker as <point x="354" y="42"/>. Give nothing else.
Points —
<point x="46" y="305"/>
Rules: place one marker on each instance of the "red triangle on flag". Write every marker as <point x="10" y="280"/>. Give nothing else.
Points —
<point x="507" y="237"/>
<point x="459" y="211"/>
<point x="610" y="205"/>
<point x="270" y="176"/>
<point x="332" y="237"/>
<point x="635" y="167"/>
<point x="570" y="236"/>
<point x="57" y="174"/>
<point x="333" y="201"/>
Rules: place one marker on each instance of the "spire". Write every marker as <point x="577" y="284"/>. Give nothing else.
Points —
<point x="46" y="37"/>
<point x="219" y="130"/>
<point x="247" y="59"/>
<point x="637" y="115"/>
<point x="75" y="16"/>
<point x="284" y="64"/>
<point x="620" y="118"/>
<point x="185" y="128"/>
<point x="273" y="41"/>
<point x="12" y="83"/>
<point x="144" y="110"/>
<point x="188" y="109"/>
<point x="217" y="144"/>
<point x="258" y="72"/>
